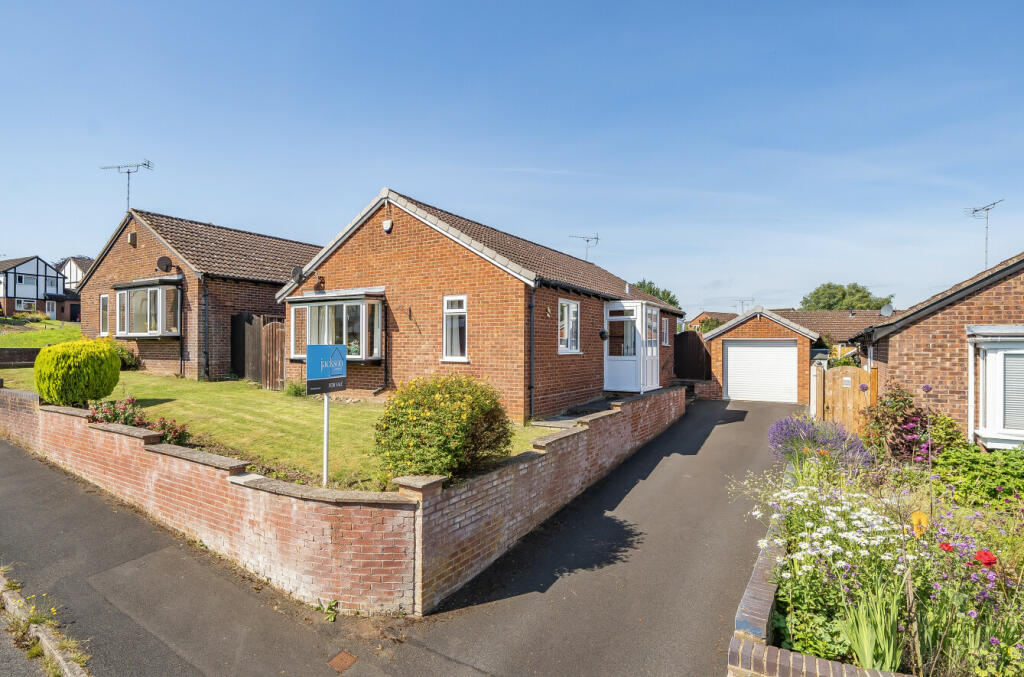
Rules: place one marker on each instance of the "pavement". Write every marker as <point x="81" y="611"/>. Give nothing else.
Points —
<point x="641" y="574"/>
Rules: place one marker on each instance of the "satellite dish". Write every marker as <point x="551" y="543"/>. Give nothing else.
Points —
<point x="297" y="274"/>
<point x="886" y="310"/>
<point x="163" y="264"/>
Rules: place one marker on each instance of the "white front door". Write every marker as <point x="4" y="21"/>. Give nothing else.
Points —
<point x="763" y="370"/>
<point x="623" y="349"/>
<point x="652" y="353"/>
<point x="51" y="309"/>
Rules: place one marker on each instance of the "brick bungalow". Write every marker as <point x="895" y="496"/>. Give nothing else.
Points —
<point x="414" y="290"/>
<point x="722" y="317"/>
<point x="29" y="284"/>
<point x="967" y="342"/>
<point x="167" y="287"/>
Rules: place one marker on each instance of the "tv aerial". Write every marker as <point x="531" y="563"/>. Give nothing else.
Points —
<point x="982" y="213"/>
<point x="128" y="170"/>
<point x="591" y="241"/>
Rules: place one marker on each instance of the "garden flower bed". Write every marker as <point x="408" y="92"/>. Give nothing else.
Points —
<point x="892" y="556"/>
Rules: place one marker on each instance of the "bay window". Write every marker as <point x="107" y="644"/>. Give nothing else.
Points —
<point x="149" y="311"/>
<point x="999" y="352"/>
<point x="354" y="324"/>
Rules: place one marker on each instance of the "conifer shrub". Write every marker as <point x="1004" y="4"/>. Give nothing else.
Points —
<point x="75" y="372"/>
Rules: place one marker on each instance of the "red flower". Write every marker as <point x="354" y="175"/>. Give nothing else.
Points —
<point x="946" y="546"/>
<point x="986" y="558"/>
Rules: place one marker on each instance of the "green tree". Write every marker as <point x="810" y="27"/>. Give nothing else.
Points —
<point x="709" y="323"/>
<point x="654" y="290"/>
<point x="832" y="296"/>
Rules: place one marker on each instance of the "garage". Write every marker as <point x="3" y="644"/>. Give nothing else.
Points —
<point x="763" y="370"/>
<point x="759" y="356"/>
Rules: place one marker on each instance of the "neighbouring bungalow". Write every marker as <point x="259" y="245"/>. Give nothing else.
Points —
<point x="167" y="288"/>
<point x="721" y="317"/>
<point x="967" y="343"/>
<point x="31" y="285"/>
<point x="413" y="290"/>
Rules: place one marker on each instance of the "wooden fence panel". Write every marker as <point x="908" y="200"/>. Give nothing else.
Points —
<point x="692" y="359"/>
<point x="272" y="352"/>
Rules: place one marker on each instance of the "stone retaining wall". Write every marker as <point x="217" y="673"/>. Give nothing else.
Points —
<point x="751" y="655"/>
<point x="399" y="551"/>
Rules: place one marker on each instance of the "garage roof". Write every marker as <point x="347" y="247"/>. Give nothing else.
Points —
<point x="759" y="311"/>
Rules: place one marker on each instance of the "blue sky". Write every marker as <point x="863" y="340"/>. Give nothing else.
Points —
<point x="726" y="150"/>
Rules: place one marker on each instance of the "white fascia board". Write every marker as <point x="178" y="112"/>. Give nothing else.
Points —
<point x="385" y="196"/>
<point x="995" y="330"/>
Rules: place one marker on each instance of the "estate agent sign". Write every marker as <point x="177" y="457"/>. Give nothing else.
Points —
<point x="325" y="373"/>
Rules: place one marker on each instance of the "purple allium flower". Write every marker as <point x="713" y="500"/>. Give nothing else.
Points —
<point x="927" y="388"/>
<point x="863" y="387"/>
<point x="994" y="641"/>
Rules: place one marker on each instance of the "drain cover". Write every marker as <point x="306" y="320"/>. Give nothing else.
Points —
<point x="343" y="661"/>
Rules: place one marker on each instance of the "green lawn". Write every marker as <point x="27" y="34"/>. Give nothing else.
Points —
<point x="280" y="433"/>
<point x="38" y="334"/>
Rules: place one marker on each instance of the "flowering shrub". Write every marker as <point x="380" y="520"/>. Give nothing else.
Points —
<point x="884" y="567"/>
<point x="442" y="425"/>
<point x="128" y="412"/>
<point x="795" y="437"/>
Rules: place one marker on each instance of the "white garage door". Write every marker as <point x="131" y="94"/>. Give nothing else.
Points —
<point x="763" y="370"/>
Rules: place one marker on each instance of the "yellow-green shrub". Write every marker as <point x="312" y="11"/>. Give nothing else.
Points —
<point x="75" y="372"/>
<point x="442" y="425"/>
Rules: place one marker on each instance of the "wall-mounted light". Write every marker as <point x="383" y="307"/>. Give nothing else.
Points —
<point x="388" y="225"/>
<point x="603" y="334"/>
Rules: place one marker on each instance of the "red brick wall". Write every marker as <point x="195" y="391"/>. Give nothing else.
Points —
<point x="758" y="327"/>
<point x="418" y="266"/>
<point x="561" y="381"/>
<point x="227" y="298"/>
<point x="357" y="551"/>
<point x="933" y="350"/>
<point x="467" y="526"/>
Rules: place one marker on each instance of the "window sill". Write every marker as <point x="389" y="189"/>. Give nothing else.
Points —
<point x="456" y="360"/>
<point x="569" y="352"/>
<point x="350" y="359"/>
<point x="1000" y="439"/>
<point x="146" y="336"/>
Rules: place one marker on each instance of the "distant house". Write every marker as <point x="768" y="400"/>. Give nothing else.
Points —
<point x="167" y="287"/>
<point x="74" y="268"/>
<point x="837" y="327"/>
<point x="29" y="284"/>
<point x="967" y="343"/>
<point x="413" y="290"/>
<point x="721" y="317"/>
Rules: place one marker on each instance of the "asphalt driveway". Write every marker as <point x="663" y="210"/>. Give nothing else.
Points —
<point x="639" y="575"/>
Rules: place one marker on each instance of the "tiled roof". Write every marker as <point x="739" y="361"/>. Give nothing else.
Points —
<point x="716" y="315"/>
<point x="841" y="325"/>
<point x="10" y="263"/>
<point x="83" y="262"/>
<point x="227" y="252"/>
<point x="549" y="264"/>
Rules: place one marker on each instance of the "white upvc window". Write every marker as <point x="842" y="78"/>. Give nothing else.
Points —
<point x="454" y="330"/>
<point x="51" y="284"/>
<point x="355" y="324"/>
<point x="665" y="330"/>
<point x="568" y="326"/>
<point x="1001" y="419"/>
<point x="25" y="305"/>
<point x="104" y="315"/>
<point x="149" y="311"/>
<point x="26" y="279"/>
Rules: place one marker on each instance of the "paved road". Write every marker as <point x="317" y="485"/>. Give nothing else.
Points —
<point x="12" y="659"/>
<point x="640" y="575"/>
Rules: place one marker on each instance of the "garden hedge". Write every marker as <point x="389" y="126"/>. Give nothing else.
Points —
<point x="75" y="372"/>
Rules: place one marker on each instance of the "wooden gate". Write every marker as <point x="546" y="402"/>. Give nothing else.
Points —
<point x="692" y="359"/>
<point x="272" y="358"/>
<point x="845" y="398"/>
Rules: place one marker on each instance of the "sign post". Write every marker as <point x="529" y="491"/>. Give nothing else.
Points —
<point x="325" y="373"/>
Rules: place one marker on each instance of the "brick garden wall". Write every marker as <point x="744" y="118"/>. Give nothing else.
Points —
<point x="466" y="527"/>
<point x="355" y="547"/>
<point x="933" y="350"/>
<point x="757" y="327"/>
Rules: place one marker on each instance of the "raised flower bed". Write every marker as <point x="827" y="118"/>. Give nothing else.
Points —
<point x="883" y="559"/>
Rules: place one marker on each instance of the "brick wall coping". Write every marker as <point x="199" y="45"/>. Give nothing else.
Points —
<point x="70" y="411"/>
<point x="21" y="395"/>
<point x="310" y="493"/>
<point x="198" y="456"/>
<point x="145" y="434"/>
<point x="750" y="655"/>
<point x="419" y="481"/>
